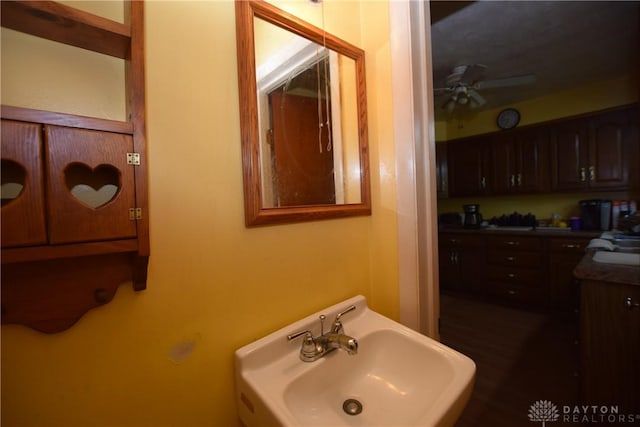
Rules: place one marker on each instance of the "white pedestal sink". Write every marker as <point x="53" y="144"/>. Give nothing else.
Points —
<point x="398" y="378"/>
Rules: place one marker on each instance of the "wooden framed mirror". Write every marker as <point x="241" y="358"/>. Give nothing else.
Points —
<point x="303" y="119"/>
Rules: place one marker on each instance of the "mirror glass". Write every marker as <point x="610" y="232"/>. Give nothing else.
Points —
<point x="303" y="106"/>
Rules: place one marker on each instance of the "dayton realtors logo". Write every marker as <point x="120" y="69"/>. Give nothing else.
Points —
<point x="544" y="411"/>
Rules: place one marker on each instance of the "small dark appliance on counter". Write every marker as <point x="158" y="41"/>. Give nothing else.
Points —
<point x="595" y="214"/>
<point x="472" y="216"/>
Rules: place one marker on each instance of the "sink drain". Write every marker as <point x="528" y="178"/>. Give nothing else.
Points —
<point x="352" y="406"/>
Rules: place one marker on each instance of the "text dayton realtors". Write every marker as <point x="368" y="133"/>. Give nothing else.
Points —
<point x="596" y="414"/>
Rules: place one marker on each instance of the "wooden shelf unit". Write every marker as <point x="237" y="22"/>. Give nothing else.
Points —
<point x="49" y="286"/>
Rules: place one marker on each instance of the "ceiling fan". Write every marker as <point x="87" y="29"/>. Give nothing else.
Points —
<point x="464" y="82"/>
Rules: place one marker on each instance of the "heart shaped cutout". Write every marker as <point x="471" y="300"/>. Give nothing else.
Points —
<point x="92" y="187"/>
<point x="13" y="179"/>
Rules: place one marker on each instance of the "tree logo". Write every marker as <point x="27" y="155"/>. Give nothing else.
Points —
<point x="543" y="410"/>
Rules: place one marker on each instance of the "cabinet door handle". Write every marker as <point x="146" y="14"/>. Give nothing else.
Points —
<point x="453" y="241"/>
<point x="483" y="182"/>
<point x="570" y="246"/>
<point x="519" y="180"/>
<point x="629" y="304"/>
<point x="511" y="276"/>
<point x="583" y="175"/>
<point x="455" y="257"/>
<point x="592" y="173"/>
<point x="513" y="180"/>
<point x="511" y="292"/>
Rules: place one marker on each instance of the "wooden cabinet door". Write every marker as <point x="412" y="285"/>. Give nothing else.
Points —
<point x="520" y="161"/>
<point x="461" y="262"/>
<point x="565" y="254"/>
<point x="504" y="164"/>
<point x="569" y="155"/>
<point x="610" y="344"/>
<point x="609" y="140"/>
<point x="532" y="164"/>
<point x="84" y="166"/>
<point x="442" y="174"/>
<point x="23" y="217"/>
<point x="468" y="167"/>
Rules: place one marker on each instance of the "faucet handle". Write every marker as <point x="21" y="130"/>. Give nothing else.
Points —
<point x="309" y="351"/>
<point x="299" y="334"/>
<point x="337" y="324"/>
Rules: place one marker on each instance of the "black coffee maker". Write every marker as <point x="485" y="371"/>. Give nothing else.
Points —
<point x="472" y="216"/>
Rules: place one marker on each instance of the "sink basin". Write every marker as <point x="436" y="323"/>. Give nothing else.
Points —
<point x="627" y="245"/>
<point x="617" y="258"/>
<point x="398" y="378"/>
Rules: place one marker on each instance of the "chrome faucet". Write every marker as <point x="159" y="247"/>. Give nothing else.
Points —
<point x="313" y="348"/>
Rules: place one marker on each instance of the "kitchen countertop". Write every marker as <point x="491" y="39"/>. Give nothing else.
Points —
<point x="537" y="232"/>
<point x="588" y="269"/>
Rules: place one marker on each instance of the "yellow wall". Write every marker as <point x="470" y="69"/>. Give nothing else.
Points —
<point x="583" y="99"/>
<point x="594" y="97"/>
<point x="214" y="285"/>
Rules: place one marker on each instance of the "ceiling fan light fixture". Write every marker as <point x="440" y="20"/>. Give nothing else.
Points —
<point x="449" y="105"/>
<point x="476" y="99"/>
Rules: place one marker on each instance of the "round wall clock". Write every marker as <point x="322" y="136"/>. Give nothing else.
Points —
<point x="508" y="118"/>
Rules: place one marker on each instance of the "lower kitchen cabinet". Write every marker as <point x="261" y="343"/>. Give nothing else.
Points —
<point x="610" y="344"/>
<point x="564" y="255"/>
<point x="516" y="272"/>
<point x="461" y="261"/>
<point x="521" y="269"/>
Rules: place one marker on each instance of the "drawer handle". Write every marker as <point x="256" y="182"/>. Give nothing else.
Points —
<point x="511" y="258"/>
<point x="453" y="240"/>
<point x="570" y="246"/>
<point x="512" y="243"/>
<point x="511" y="276"/>
<point x="511" y="292"/>
<point x="629" y="304"/>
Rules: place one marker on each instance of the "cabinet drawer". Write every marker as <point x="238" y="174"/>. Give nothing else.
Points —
<point x="515" y="294"/>
<point x="569" y="245"/>
<point x="515" y="258"/>
<point x="515" y="243"/>
<point x="516" y="275"/>
<point x="460" y="241"/>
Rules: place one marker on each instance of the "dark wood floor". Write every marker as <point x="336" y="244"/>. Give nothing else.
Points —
<point x="521" y="357"/>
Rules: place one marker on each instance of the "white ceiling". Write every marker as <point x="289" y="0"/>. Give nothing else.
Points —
<point x="564" y="43"/>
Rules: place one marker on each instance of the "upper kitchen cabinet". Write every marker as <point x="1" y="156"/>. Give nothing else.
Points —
<point x="613" y="141"/>
<point x="469" y="166"/>
<point x="595" y="152"/>
<point x="75" y="220"/>
<point x="519" y="161"/>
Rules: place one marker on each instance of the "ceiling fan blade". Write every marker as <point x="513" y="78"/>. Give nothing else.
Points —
<point x="506" y="82"/>
<point x="476" y="99"/>
<point x="473" y="73"/>
<point x="442" y="90"/>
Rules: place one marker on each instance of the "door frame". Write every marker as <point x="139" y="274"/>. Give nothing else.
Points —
<point x="410" y="36"/>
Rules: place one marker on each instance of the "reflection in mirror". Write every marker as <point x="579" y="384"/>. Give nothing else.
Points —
<point x="303" y="106"/>
<point x="305" y="92"/>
